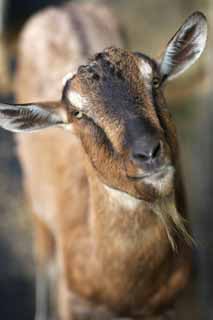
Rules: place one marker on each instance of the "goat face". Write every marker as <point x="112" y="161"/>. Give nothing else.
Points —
<point x="117" y="108"/>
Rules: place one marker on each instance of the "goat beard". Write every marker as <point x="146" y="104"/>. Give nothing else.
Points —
<point x="175" y="225"/>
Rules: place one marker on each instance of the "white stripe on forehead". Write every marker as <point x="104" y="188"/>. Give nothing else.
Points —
<point x="77" y="100"/>
<point x="67" y="77"/>
<point x="145" y="69"/>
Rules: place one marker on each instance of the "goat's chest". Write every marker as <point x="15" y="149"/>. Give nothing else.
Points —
<point x="137" y="272"/>
<point x="128" y="262"/>
<point x="130" y="256"/>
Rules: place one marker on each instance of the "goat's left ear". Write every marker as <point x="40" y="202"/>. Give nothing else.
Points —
<point x="33" y="116"/>
<point x="185" y="47"/>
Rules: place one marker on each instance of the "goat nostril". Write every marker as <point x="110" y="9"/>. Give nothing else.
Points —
<point x="146" y="154"/>
<point x="156" y="151"/>
<point x="140" y="157"/>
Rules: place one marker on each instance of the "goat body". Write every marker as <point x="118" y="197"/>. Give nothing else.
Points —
<point x="119" y="246"/>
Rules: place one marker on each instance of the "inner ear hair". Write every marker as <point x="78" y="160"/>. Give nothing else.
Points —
<point x="185" y="47"/>
<point x="32" y="116"/>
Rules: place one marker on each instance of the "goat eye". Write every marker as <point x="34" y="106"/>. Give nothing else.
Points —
<point x="156" y="82"/>
<point x="78" y="114"/>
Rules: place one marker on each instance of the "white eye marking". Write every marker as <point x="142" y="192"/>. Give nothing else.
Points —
<point x="67" y="77"/>
<point x="77" y="100"/>
<point x="145" y="69"/>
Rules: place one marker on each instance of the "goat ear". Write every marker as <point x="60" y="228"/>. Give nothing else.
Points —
<point x="33" y="116"/>
<point x="185" y="47"/>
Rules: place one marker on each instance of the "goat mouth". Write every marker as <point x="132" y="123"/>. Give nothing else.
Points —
<point x="158" y="174"/>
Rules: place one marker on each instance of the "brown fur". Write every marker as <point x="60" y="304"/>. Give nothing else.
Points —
<point x="112" y="261"/>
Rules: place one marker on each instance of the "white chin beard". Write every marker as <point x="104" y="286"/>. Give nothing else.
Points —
<point x="163" y="181"/>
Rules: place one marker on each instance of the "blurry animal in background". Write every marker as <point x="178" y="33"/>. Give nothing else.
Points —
<point x="107" y="193"/>
<point x="12" y="18"/>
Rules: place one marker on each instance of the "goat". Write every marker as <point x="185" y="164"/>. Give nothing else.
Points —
<point x="107" y="193"/>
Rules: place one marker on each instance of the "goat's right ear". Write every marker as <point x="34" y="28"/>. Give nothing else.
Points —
<point x="33" y="116"/>
<point x="185" y="47"/>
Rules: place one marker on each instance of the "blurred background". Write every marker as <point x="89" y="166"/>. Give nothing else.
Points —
<point x="146" y="25"/>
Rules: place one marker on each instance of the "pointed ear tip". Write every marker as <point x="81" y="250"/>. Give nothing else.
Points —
<point x="199" y="17"/>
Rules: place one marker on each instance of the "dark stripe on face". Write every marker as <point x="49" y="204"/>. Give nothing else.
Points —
<point x="164" y="118"/>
